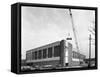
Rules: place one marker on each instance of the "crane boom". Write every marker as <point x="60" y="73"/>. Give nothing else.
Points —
<point x="76" y="42"/>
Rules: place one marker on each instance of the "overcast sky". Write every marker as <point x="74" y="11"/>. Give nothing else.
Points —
<point x="42" y="26"/>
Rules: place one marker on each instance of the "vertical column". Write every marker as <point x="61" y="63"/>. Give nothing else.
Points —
<point x="62" y="53"/>
<point x="89" y="50"/>
<point x="70" y="54"/>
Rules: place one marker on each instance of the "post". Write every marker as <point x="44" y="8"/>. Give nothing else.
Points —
<point x="89" y="50"/>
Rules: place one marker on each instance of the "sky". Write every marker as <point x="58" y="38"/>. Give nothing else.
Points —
<point x="41" y="26"/>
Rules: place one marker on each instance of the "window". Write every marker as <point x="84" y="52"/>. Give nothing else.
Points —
<point x="57" y="51"/>
<point x="50" y="52"/>
<point x="35" y="54"/>
<point x="39" y="54"/>
<point x="44" y="53"/>
<point x="28" y="56"/>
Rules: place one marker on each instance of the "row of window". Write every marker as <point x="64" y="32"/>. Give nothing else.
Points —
<point x="46" y="53"/>
<point x="77" y="55"/>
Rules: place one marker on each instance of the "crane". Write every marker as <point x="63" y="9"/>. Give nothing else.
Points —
<point x="74" y="30"/>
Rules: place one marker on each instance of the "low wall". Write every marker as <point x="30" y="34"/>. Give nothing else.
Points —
<point x="54" y="62"/>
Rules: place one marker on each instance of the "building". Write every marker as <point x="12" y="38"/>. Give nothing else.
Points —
<point x="56" y="54"/>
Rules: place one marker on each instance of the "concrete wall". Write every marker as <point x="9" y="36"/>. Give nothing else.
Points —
<point x="43" y="63"/>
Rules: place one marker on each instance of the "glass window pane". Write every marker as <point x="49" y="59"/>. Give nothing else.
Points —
<point x="44" y="53"/>
<point x="57" y="51"/>
<point x="50" y="52"/>
<point x="39" y="54"/>
<point x="35" y="54"/>
<point x="28" y="56"/>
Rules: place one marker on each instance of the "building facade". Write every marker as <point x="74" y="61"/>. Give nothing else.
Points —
<point x="59" y="53"/>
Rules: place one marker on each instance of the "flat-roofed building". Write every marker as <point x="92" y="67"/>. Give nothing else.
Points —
<point x="59" y="53"/>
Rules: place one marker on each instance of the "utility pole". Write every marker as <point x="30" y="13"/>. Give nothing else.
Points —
<point x="89" y="50"/>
